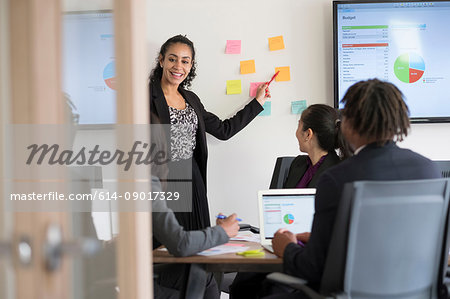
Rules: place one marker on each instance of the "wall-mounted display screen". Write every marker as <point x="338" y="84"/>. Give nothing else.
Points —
<point x="89" y="65"/>
<point x="406" y="43"/>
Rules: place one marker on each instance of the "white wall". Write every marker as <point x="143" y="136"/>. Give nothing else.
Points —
<point x="238" y="168"/>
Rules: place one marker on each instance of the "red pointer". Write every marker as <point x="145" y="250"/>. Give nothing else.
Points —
<point x="268" y="83"/>
<point x="273" y="77"/>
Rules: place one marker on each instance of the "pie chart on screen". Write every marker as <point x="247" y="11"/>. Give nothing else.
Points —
<point x="288" y="218"/>
<point x="109" y="75"/>
<point x="409" y="67"/>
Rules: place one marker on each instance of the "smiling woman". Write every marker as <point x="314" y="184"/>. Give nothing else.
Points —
<point x="173" y="104"/>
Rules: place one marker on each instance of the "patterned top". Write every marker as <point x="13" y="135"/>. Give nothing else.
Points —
<point x="183" y="130"/>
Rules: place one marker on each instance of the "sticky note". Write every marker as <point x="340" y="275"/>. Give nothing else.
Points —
<point x="276" y="43"/>
<point x="247" y="66"/>
<point x="284" y="75"/>
<point x="297" y="107"/>
<point x="267" y="109"/>
<point x="253" y="88"/>
<point x="234" y="87"/>
<point x="233" y="47"/>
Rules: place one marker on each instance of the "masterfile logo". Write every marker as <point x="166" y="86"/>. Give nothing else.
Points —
<point x="348" y="18"/>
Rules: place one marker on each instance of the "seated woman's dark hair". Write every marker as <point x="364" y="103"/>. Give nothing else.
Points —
<point x="156" y="73"/>
<point x="376" y="110"/>
<point x="324" y="121"/>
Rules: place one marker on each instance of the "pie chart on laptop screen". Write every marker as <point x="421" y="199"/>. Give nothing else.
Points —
<point x="288" y="218"/>
<point x="409" y="67"/>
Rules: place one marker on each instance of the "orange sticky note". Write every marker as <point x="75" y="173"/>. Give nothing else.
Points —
<point x="284" y="75"/>
<point x="247" y="66"/>
<point x="276" y="43"/>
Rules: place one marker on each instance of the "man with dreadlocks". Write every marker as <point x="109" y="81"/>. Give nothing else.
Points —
<point x="375" y="116"/>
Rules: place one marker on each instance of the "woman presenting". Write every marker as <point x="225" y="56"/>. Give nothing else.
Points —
<point x="174" y="104"/>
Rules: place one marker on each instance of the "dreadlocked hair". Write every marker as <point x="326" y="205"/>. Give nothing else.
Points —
<point x="376" y="110"/>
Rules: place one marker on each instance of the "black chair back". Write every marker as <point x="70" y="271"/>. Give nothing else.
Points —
<point x="280" y="172"/>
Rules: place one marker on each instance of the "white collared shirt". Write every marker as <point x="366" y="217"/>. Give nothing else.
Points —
<point x="359" y="149"/>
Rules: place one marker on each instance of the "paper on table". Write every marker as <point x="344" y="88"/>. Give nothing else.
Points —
<point x="222" y="249"/>
<point x="247" y="66"/>
<point x="234" y="87"/>
<point x="233" y="47"/>
<point x="246" y="236"/>
<point x="276" y="43"/>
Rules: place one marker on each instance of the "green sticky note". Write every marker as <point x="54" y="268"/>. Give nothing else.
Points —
<point x="267" y="109"/>
<point x="234" y="87"/>
<point x="297" y="107"/>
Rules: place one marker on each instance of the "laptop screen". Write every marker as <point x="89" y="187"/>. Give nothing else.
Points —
<point x="286" y="210"/>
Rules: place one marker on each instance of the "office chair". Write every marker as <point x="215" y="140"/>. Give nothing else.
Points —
<point x="280" y="172"/>
<point x="444" y="167"/>
<point x="389" y="241"/>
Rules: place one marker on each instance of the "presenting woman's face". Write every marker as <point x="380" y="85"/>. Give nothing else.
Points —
<point x="177" y="64"/>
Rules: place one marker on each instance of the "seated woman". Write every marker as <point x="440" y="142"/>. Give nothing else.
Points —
<point x="319" y="135"/>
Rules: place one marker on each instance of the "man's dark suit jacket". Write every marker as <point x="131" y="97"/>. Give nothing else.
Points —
<point x="299" y="167"/>
<point x="207" y="121"/>
<point x="388" y="162"/>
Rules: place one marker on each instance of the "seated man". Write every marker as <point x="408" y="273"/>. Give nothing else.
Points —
<point x="375" y="116"/>
<point x="167" y="231"/>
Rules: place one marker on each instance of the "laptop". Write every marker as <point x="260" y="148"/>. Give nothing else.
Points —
<point x="284" y="208"/>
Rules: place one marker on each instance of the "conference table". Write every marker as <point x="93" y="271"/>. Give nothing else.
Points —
<point x="199" y="266"/>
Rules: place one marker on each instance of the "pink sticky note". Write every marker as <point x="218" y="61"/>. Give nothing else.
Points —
<point x="253" y="88"/>
<point x="233" y="47"/>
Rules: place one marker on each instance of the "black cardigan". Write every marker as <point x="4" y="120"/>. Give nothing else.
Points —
<point x="299" y="166"/>
<point x="207" y="121"/>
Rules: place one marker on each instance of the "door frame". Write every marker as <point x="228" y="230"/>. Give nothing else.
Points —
<point x="35" y="80"/>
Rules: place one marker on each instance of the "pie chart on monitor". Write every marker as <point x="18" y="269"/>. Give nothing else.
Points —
<point x="288" y="218"/>
<point x="409" y="67"/>
<point x="109" y="75"/>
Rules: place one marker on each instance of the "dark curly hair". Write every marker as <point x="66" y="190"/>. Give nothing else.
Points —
<point x="156" y="73"/>
<point x="324" y="121"/>
<point x="376" y="110"/>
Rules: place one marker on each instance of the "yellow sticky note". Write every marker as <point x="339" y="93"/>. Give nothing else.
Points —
<point x="247" y="66"/>
<point x="284" y="75"/>
<point x="276" y="43"/>
<point x="234" y="87"/>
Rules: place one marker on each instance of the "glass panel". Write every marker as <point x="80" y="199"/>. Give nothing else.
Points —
<point x="89" y="66"/>
<point x="88" y="82"/>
